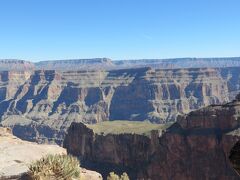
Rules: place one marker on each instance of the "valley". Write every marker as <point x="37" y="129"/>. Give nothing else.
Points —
<point x="147" y="120"/>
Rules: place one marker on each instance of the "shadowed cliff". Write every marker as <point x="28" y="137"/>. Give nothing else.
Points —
<point x="197" y="146"/>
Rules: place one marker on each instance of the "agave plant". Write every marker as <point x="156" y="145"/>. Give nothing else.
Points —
<point x="52" y="167"/>
<point x="113" y="176"/>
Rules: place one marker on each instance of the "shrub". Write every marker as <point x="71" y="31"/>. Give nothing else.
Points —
<point x="124" y="176"/>
<point x="113" y="176"/>
<point x="61" y="167"/>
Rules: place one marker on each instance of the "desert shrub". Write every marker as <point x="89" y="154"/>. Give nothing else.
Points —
<point x="124" y="176"/>
<point x="60" y="167"/>
<point x="113" y="176"/>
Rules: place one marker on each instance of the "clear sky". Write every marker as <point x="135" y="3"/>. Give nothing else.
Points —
<point x="119" y="29"/>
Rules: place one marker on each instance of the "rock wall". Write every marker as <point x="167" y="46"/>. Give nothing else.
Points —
<point x="196" y="147"/>
<point x="54" y="99"/>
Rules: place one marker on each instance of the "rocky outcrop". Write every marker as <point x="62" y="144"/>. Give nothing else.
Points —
<point x="197" y="146"/>
<point x="16" y="155"/>
<point x="111" y="152"/>
<point x="46" y="102"/>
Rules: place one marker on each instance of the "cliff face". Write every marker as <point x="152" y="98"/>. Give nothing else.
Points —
<point x="46" y="102"/>
<point x="197" y="146"/>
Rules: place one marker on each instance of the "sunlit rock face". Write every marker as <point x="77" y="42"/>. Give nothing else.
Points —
<point x="46" y="102"/>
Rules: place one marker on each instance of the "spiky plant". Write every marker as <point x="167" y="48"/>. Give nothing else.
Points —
<point x="124" y="176"/>
<point x="113" y="176"/>
<point x="60" y="167"/>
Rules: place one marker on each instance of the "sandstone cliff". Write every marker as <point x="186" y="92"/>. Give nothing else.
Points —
<point x="197" y="146"/>
<point x="40" y="105"/>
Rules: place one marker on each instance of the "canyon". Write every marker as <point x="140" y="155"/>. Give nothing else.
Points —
<point x="197" y="146"/>
<point x="40" y="104"/>
<point x="145" y="117"/>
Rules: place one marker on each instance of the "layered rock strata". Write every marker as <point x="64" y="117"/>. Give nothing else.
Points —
<point x="197" y="146"/>
<point x="40" y="105"/>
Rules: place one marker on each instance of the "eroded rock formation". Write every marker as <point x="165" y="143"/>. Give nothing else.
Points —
<point x="196" y="147"/>
<point x="40" y="105"/>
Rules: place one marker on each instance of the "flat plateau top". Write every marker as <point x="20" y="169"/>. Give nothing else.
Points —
<point x="126" y="127"/>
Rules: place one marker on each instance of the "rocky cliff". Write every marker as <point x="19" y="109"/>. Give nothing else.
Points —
<point x="196" y="147"/>
<point x="40" y="105"/>
<point x="16" y="155"/>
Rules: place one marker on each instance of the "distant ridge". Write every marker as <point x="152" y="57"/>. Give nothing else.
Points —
<point x="108" y="64"/>
<point x="74" y="64"/>
<point x="15" y="64"/>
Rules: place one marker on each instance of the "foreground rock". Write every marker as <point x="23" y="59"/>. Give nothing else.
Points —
<point x="196" y="147"/>
<point x="16" y="155"/>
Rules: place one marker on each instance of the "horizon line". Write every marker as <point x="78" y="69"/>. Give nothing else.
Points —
<point x="123" y="59"/>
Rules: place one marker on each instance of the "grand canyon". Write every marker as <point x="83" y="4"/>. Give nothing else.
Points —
<point x="154" y="119"/>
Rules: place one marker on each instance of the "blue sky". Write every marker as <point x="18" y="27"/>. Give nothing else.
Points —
<point x="119" y="29"/>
